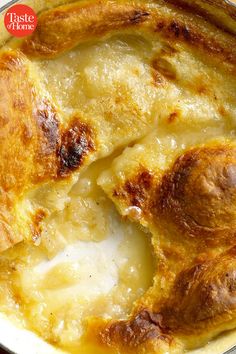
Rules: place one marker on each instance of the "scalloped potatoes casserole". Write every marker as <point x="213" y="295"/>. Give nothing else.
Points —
<point x="118" y="175"/>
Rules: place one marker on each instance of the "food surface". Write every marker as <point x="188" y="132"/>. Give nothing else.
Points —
<point x="118" y="176"/>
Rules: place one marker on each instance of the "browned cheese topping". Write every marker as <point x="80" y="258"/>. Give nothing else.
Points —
<point x="129" y="104"/>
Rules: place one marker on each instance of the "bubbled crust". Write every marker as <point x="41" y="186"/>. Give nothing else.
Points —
<point x="198" y="195"/>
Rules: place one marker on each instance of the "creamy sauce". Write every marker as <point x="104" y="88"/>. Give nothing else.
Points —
<point x="88" y="263"/>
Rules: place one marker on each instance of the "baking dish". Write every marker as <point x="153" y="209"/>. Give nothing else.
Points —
<point x="26" y="340"/>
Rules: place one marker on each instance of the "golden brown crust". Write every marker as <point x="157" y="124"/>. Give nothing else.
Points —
<point x="203" y="296"/>
<point x="136" y="191"/>
<point x="35" y="147"/>
<point x="139" y="332"/>
<point x="199" y="193"/>
<point x="215" y="11"/>
<point x="190" y="207"/>
<point x="31" y="120"/>
<point x="180" y="30"/>
<point x="193" y="201"/>
<point x="67" y="26"/>
<point x="19" y="140"/>
<point x="30" y="131"/>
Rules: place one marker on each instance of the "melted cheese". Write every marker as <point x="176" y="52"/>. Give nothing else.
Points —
<point x="132" y="179"/>
<point x="84" y="265"/>
<point x="162" y="97"/>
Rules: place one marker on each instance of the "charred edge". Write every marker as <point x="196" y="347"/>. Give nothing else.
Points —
<point x="76" y="143"/>
<point x="144" y="327"/>
<point x="135" y="190"/>
<point x="138" y="16"/>
<point x="49" y="125"/>
<point x="182" y="31"/>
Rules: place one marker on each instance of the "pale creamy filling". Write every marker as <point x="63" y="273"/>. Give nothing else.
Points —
<point x="89" y="262"/>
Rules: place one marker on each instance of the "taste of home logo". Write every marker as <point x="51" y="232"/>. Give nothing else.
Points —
<point x="20" y="20"/>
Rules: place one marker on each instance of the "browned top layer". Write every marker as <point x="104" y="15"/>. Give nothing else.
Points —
<point x="63" y="28"/>
<point x="191" y="209"/>
<point x="67" y="26"/>
<point x="140" y="332"/>
<point x="199" y="193"/>
<point x="35" y="147"/>
<point x="219" y="12"/>
<point x="203" y="296"/>
<point x="193" y="201"/>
